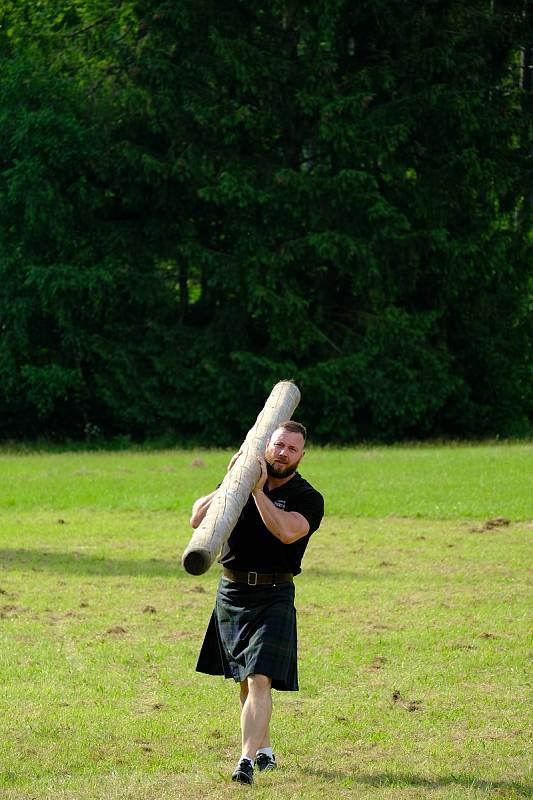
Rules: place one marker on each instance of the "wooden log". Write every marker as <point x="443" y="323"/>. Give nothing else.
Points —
<point x="233" y="493"/>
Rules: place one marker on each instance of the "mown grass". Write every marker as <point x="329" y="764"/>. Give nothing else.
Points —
<point x="414" y="616"/>
<point x="453" y="482"/>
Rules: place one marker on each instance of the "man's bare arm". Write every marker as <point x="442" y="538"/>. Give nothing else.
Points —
<point x="287" y="526"/>
<point x="200" y="508"/>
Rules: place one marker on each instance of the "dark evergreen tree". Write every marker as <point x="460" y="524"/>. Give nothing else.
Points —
<point x="216" y="197"/>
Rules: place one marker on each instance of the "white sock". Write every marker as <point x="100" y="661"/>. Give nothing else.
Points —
<point x="266" y="750"/>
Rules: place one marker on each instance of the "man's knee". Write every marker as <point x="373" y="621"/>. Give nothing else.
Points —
<point x="259" y="683"/>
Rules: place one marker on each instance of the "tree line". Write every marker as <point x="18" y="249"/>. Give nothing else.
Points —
<point x="198" y="199"/>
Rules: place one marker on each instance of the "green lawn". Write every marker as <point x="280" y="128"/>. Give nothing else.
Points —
<point x="414" y="615"/>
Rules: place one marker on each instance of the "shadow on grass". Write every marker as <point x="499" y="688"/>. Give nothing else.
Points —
<point x="340" y="572"/>
<point x="399" y="779"/>
<point x="76" y="563"/>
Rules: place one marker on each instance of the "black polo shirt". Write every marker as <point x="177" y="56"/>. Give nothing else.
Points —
<point x="251" y="546"/>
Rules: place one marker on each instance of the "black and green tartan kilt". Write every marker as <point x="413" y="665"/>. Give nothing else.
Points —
<point x="252" y="630"/>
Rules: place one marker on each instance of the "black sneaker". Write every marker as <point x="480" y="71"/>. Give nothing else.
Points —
<point x="244" y="772"/>
<point x="266" y="763"/>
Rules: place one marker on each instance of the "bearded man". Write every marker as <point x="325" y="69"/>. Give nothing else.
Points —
<point x="251" y="636"/>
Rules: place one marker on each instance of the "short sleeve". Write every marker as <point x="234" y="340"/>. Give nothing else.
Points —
<point x="311" y="506"/>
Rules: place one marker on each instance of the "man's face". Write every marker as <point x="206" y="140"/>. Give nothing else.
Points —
<point x="283" y="453"/>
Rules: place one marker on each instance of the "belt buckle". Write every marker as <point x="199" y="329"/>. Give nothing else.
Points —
<point x="252" y="583"/>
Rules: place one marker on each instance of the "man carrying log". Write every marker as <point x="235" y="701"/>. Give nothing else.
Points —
<point x="251" y="636"/>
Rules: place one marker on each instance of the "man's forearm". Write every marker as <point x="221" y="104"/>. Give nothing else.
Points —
<point x="287" y="526"/>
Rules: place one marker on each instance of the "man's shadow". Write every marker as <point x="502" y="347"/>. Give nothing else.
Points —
<point x="398" y="779"/>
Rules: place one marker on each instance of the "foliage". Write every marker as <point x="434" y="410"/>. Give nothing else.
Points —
<point x="196" y="201"/>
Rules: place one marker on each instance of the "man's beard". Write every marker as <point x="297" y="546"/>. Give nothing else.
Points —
<point x="277" y="472"/>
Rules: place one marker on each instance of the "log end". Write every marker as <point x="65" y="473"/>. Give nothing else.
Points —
<point x="196" y="561"/>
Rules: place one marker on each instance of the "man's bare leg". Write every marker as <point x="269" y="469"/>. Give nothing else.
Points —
<point x="256" y="710"/>
<point x="243" y="697"/>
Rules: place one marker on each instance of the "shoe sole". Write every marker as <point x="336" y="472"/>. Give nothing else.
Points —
<point x="241" y="777"/>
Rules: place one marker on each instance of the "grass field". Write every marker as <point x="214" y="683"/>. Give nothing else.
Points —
<point x="414" y="612"/>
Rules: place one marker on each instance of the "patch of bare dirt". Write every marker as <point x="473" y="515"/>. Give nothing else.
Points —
<point x="196" y="589"/>
<point x="9" y="610"/>
<point x="461" y="736"/>
<point x="492" y="524"/>
<point x="378" y="626"/>
<point x="198" y="463"/>
<point x="149" y="610"/>
<point x="378" y="662"/>
<point x="413" y="599"/>
<point x="409" y="705"/>
<point x="116" y="630"/>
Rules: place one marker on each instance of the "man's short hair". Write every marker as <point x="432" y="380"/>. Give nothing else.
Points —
<point x="294" y="427"/>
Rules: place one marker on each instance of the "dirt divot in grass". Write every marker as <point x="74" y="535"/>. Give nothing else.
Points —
<point x="491" y="525"/>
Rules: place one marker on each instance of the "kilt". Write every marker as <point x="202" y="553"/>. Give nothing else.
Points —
<point x="252" y="630"/>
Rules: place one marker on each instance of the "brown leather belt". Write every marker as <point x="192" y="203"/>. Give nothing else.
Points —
<point x="258" y="578"/>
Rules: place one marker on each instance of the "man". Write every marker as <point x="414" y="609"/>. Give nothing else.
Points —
<point x="251" y="636"/>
